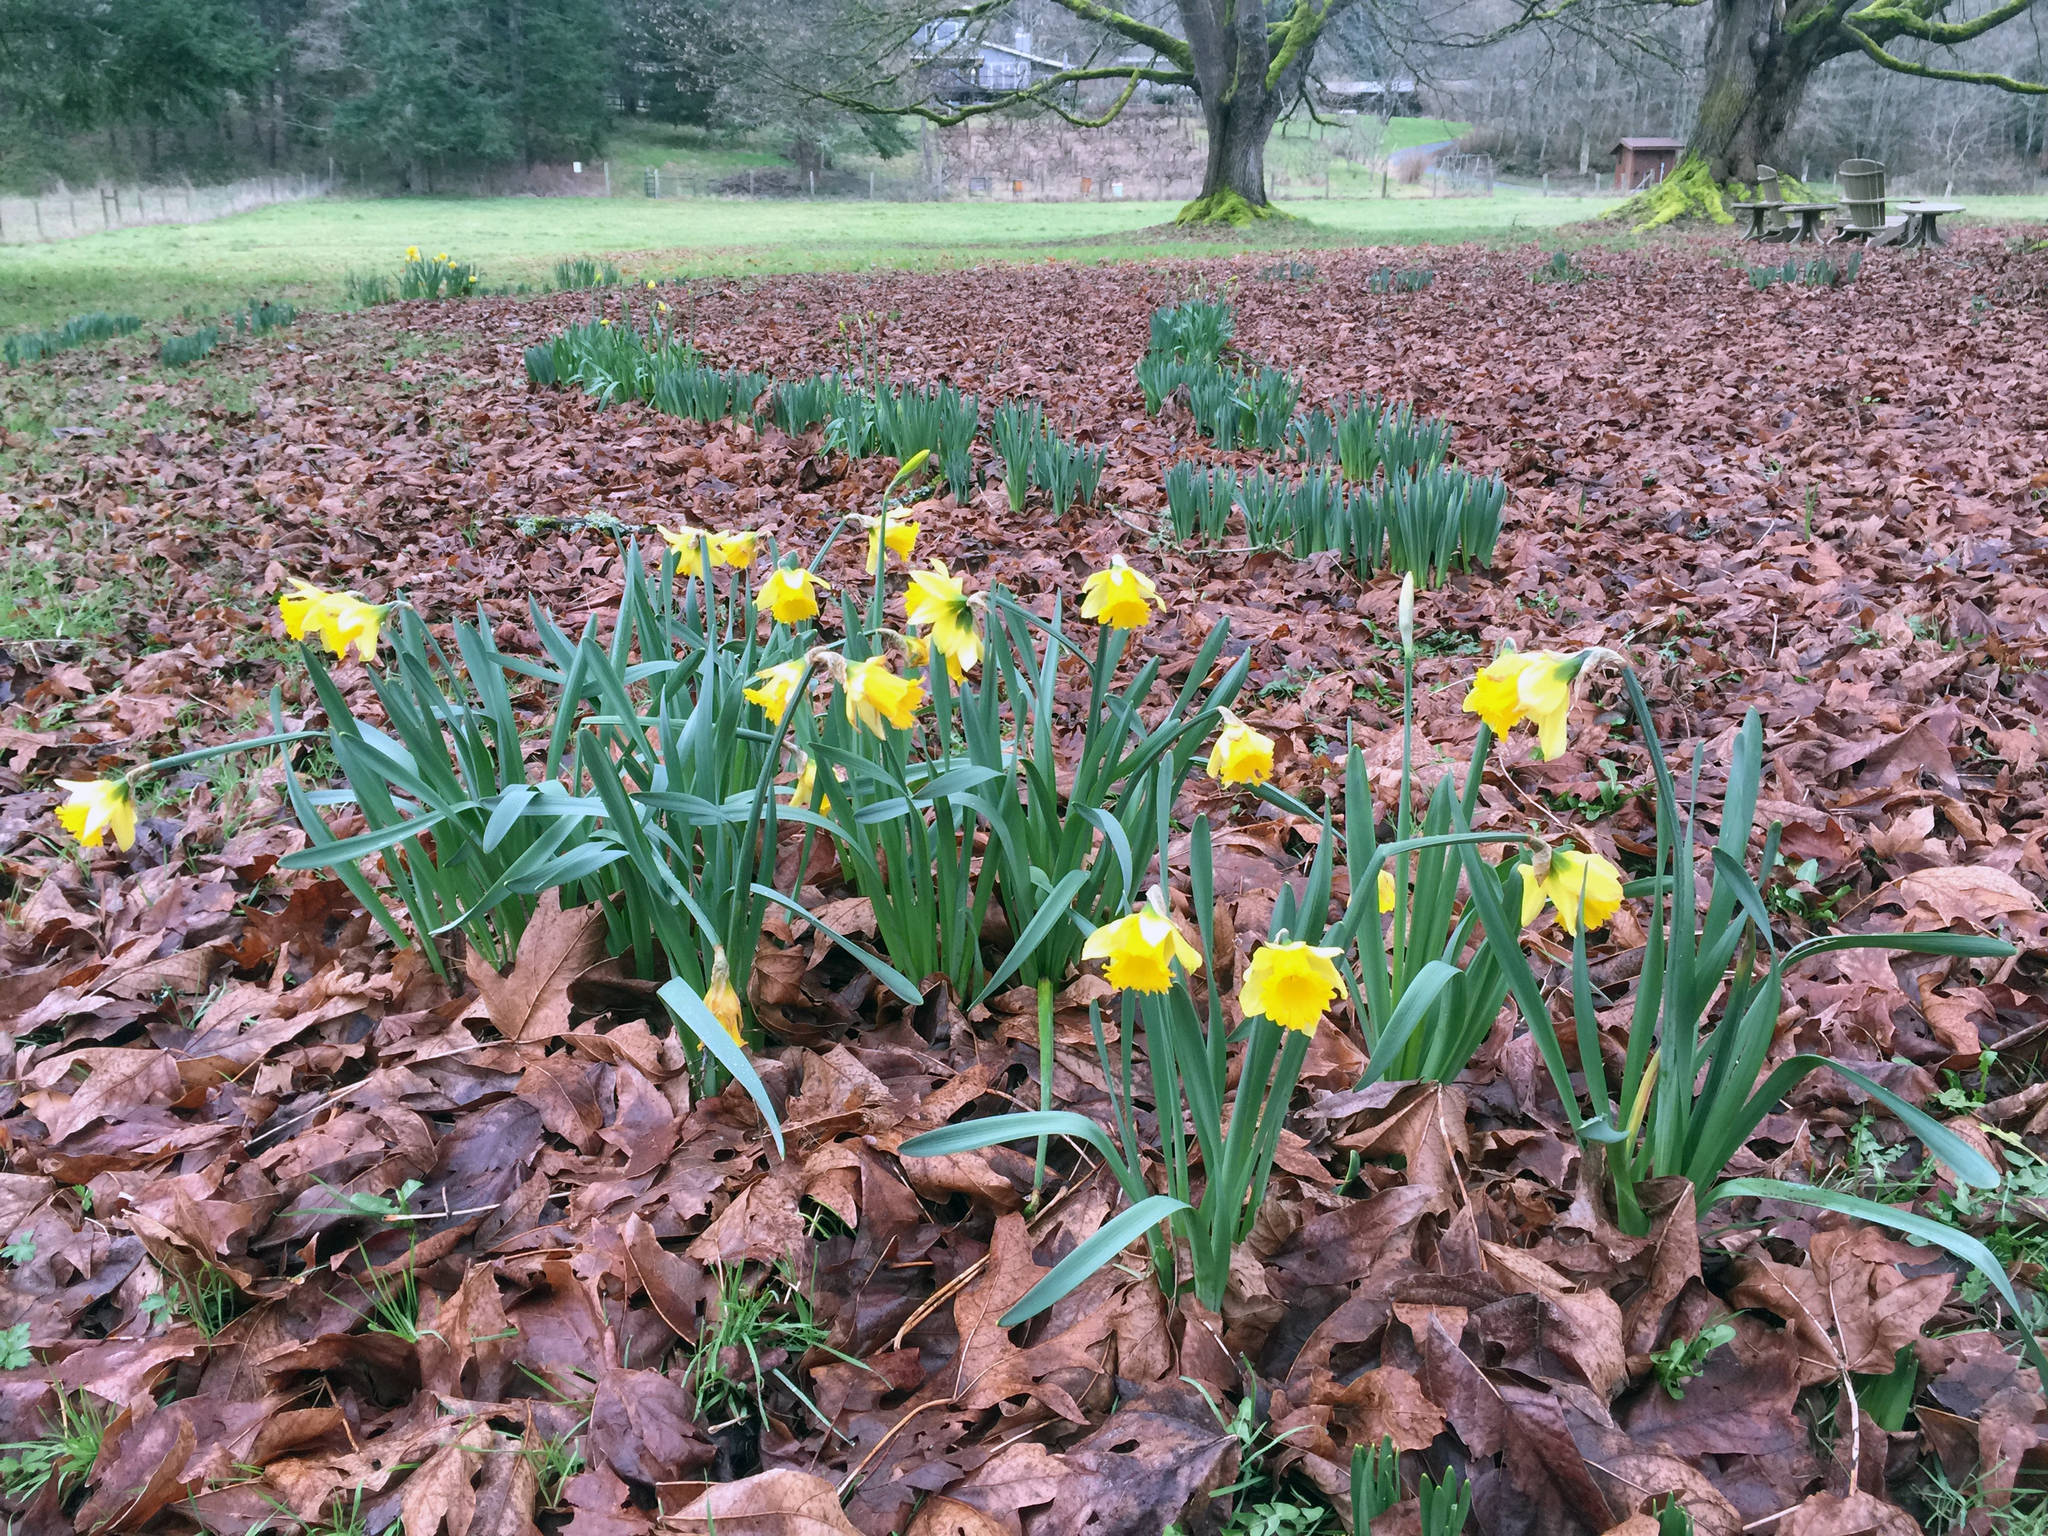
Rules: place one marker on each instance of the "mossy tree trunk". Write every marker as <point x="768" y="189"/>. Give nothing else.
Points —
<point x="1247" y="70"/>
<point x="1234" y="177"/>
<point x="1760" y="54"/>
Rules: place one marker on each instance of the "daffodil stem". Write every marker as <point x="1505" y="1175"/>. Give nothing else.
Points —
<point x="881" y="567"/>
<point x="1044" y="1081"/>
<point x="1482" y="744"/>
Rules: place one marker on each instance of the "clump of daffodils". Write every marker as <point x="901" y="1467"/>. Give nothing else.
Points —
<point x="340" y="620"/>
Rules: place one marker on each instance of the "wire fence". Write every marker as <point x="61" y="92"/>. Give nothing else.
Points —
<point x="66" y="214"/>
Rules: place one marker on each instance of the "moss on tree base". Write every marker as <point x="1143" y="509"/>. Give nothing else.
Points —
<point x="1231" y="208"/>
<point x="1689" y="192"/>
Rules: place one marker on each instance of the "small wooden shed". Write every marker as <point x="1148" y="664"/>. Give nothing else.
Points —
<point x="1641" y="163"/>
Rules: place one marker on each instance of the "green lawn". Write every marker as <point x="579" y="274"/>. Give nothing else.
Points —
<point x="303" y="251"/>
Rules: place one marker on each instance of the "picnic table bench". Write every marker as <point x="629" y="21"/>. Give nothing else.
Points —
<point x="1921" y="228"/>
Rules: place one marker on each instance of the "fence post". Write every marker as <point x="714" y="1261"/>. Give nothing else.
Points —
<point x="607" y="178"/>
<point x="871" y="186"/>
<point x="37" y="204"/>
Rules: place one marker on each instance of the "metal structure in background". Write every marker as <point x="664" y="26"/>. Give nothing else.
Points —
<point x="1461" y="176"/>
<point x="65" y="214"/>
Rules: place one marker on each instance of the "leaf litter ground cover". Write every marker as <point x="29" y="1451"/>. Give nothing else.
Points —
<point x="303" y="1230"/>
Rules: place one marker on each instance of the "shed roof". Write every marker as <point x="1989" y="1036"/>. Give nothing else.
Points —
<point x="1649" y="144"/>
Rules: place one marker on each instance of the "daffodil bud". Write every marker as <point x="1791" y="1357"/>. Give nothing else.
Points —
<point x="719" y="995"/>
<point x="1406" y="616"/>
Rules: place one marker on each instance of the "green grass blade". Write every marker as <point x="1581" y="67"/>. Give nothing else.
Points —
<point x="1116" y="1234"/>
<point x="1058" y="902"/>
<point x="884" y="972"/>
<point x="1947" y="1238"/>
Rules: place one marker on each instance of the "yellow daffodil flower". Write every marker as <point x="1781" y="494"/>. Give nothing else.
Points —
<point x="719" y="996"/>
<point x="94" y="807"/>
<point x="790" y="594"/>
<point x="412" y="253"/>
<point x="805" y="791"/>
<point x="902" y="536"/>
<point x="774" y="688"/>
<point x="937" y="600"/>
<point x="1292" y="985"/>
<point x="1119" y="597"/>
<point x="1535" y="686"/>
<point x="875" y="695"/>
<point x="1387" y="892"/>
<point x="918" y="652"/>
<point x="735" y="549"/>
<point x="688" y="543"/>
<point x="339" y="619"/>
<point x="1138" y="948"/>
<point x="661" y="305"/>
<point x="1564" y="880"/>
<point x="1241" y="755"/>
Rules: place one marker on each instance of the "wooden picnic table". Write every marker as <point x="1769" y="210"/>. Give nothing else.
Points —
<point x="1757" y="213"/>
<point x="1809" y="231"/>
<point x="1921" y="228"/>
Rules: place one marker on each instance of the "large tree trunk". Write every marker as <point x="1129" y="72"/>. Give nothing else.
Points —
<point x="1234" y="178"/>
<point x="1757" y="69"/>
<point x="1228" y="46"/>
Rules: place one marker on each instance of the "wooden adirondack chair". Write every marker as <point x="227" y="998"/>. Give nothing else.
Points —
<point x="1768" y="191"/>
<point x="1862" y="199"/>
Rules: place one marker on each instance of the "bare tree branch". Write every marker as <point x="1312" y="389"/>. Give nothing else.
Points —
<point x="1158" y="39"/>
<point x="1884" y="20"/>
<point x="1901" y="66"/>
<point x="1036" y="95"/>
